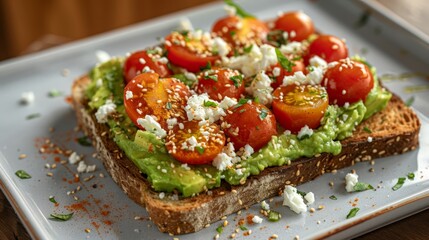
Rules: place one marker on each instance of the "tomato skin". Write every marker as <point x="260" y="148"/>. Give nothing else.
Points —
<point x="135" y="63"/>
<point x="252" y="129"/>
<point x="348" y="82"/>
<point x="217" y="83"/>
<point x="294" y="106"/>
<point x="328" y="47"/>
<point x="239" y="32"/>
<point x="297" y="22"/>
<point x="299" y="66"/>
<point x="152" y="95"/>
<point x="210" y="148"/>
<point x="180" y="53"/>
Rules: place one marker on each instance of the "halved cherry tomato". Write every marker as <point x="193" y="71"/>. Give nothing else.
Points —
<point x="240" y="32"/>
<point x="221" y="82"/>
<point x="249" y="123"/>
<point x="147" y="94"/>
<point x="296" y="106"/>
<point x="137" y="61"/>
<point x="298" y="25"/>
<point x="328" y="47"/>
<point x="192" y="54"/>
<point x="348" y="81"/>
<point x="195" y="144"/>
<point x="277" y="72"/>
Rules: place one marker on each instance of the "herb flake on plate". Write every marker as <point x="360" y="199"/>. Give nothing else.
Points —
<point x="22" y="174"/>
<point x="411" y="176"/>
<point x="52" y="199"/>
<point x="84" y="141"/>
<point x="33" y="115"/>
<point x="352" y="212"/>
<point x="399" y="184"/>
<point x="62" y="217"/>
<point x="55" y="93"/>
<point x="361" y="186"/>
<point x="333" y="197"/>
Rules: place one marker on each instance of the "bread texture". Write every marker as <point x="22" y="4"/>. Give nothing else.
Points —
<point x="394" y="130"/>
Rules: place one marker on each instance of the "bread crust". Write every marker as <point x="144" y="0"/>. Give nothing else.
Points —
<point x="394" y="130"/>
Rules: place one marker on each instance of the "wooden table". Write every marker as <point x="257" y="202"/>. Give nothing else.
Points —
<point x="414" y="227"/>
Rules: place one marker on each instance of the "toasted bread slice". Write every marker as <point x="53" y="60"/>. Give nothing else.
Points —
<point x="394" y="130"/>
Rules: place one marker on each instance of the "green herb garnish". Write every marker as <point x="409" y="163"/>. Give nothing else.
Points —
<point x="209" y="104"/>
<point x="84" y="141"/>
<point x="243" y="228"/>
<point x="352" y="212"/>
<point x="239" y="11"/>
<point x="366" y="129"/>
<point x="54" y="93"/>
<point x="62" y="217"/>
<point x="168" y="105"/>
<point x="237" y="80"/>
<point x="410" y="101"/>
<point x="333" y="197"/>
<point x="301" y="193"/>
<point x="360" y="187"/>
<point x="399" y="184"/>
<point x="151" y="51"/>
<point x="22" y="174"/>
<point x="284" y="62"/>
<point x="263" y="114"/>
<point x="206" y="67"/>
<point x="219" y="229"/>
<point x="200" y="149"/>
<point x="274" y="216"/>
<point x="212" y="77"/>
<point x="363" y="19"/>
<point x="248" y="49"/>
<point x="52" y="199"/>
<point x="241" y="102"/>
<point x="188" y="82"/>
<point x="411" y="176"/>
<point x="32" y="116"/>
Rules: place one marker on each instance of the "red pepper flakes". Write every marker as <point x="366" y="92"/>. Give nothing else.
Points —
<point x="96" y="225"/>
<point x="249" y="218"/>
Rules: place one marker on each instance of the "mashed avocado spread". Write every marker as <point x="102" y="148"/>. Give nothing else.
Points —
<point x="167" y="174"/>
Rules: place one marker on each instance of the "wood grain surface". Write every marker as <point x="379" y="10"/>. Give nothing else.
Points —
<point x="49" y="27"/>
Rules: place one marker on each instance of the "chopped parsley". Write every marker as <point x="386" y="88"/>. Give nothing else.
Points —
<point x="333" y="197"/>
<point x="84" y="141"/>
<point x="55" y="93"/>
<point x="212" y="77"/>
<point x="22" y="174"/>
<point x="62" y="217"/>
<point x="239" y="11"/>
<point x="410" y="101"/>
<point x="399" y="184"/>
<point x="52" y="199"/>
<point x="248" y="49"/>
<point x="188" y="82"/>
<point x="200" y="149"/>
<point x="209" y="104"/>
<point x="352" y="212"/>
<point x="151" y="51"/>
<point x="237" y="79"/>
<point x="361" y="186"/>
<point x="168" y="105"/>
<point x="263" y="114"/>
<point x="241" y="102"/>
<point x="284" y="62"/>
<point x="301" y="193"/>
<point x="243" y="228"/>
<point x="32" y="116"/>
<point x="363" y="19"/>
<point x="207" y="67"/>
<point x="411" y="176"/>
<point x="219" y="229"/>
<point x="274" y="216"/>
<point x="366" y="129"/>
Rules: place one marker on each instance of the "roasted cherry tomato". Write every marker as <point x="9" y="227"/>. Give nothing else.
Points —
<point x="298" y="105"/>
<point x="277" y="72"/>
<point x="249" y="123"/>
<point x="240" y="32"/>
<point x="195" y="144"/>
<point x="348" y="82"/>
<point x="328" y="47"/>
<point x="298" y="25"/>
<point x="163" y="98"/>
<point x="141" y="61"/>
<point x="193" y="54"/>
<point x="221" y="82"/>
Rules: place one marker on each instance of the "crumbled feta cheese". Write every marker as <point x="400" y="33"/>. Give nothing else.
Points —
<point x="104" y="111"/>
<point x="99" y="83"/>
<point x="257" y="219"/>
<point x="248" y="151"/>
<point x="239" y="171"/>
<point x="269" y="57"/>
<point x="222" y="161"/>
<point x="191" y="76"/>
<point x="220" y="46"/>
<point x="171" y="122"/>
<point x="265" y="206"/>
<point x="309" y="197"/>
<point x="90" y="168"/>
<point x="369" y="139"/>
<point x="261" y="88"/>
<point x="317" y="61"/>
<point x="150" y="124"/>
<point x="291" y="48"/>
<point x="128" y="94"/>
<point x="102" y="56"/>
<point x="229" y="149"/>
<point x="227" y="102"/>
<point x="230" y="10"/>
<point x="190" y="144"/>
<point x="293" y="200"/>
<point x="297" y="78"/>
<point x="351" y="181"/>
<point x="185" y="166"/>
<point x="276" y="71"/>
<point x="195" y="109"/>
<point x="305" y="131"/>
<point x="185" y="25"/>
<point x="161" y="195"/>
<point x="287" y="132"/>
<point x="81" y="167"/>
<point x="27" y="97"/>
<point x="315" y="76"/>
<point x="74" y="158"/>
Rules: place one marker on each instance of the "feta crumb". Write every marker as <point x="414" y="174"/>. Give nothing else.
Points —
<point x="99" y="83"/>
<point x="351" y="181"/>
<point x="369" y="139"/>
<point x="102" y="56"/>
<point x="74" y="158"/>
<point x="291" y="48"/>
<point x="248" y="151"/>
<point x="27" y="98"/>
<point x="276" y="71"/>
<point x="185" y="166"/>
<point x="261" y="88"/>
<point x="265" y="206"/>
<point x="293" y="200"/>
<point x="104" y="111"/>
<point x="239" y="171"/>
<point x="221" y="46"/>
<point x="222" y="161"/>
<point x="227" y="102"/>
<point x="195" y="109"/>
<point x="128" y="95"/>
<point x="185" y="25"/>
<point x="161" y="195"/>
<point x="309" y="197"/>
<point x="230" y="10"/>
<point x="90" y="168"/>
<point x="305" y="131"/>
<point x="317" y="61"/>
<point x="257" y="219"/>
<point x="171" y="122"/>
<point x="81" y="167"/>
<point x="150" y="124"/>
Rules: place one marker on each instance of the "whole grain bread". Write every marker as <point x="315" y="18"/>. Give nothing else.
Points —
<point x="394" y="130"/>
